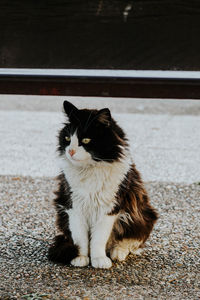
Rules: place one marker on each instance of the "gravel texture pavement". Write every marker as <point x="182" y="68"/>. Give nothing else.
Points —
<point x="167" y="269"/>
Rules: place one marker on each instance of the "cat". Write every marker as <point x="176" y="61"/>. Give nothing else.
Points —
<point x="103" y="210"/>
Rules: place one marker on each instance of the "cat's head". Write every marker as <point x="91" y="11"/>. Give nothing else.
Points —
<point x="90" y="136"/>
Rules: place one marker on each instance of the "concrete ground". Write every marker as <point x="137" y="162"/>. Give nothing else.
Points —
<point x="165" y="142"/>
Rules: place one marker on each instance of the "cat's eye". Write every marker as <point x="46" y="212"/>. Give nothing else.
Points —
<point x="86" y="140"/>
<point x="68" y="139"/>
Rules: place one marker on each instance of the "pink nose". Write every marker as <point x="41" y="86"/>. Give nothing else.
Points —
<point x="72" y="152"/>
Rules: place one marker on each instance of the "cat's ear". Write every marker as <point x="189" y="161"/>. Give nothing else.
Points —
<point x="104" y="116"/>
<point x="69" y="108"/>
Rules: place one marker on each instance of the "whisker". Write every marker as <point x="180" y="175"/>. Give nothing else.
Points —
<point x="106" y="159"/>
<point x="94" y="118"/>
<point x="85" y="127"/>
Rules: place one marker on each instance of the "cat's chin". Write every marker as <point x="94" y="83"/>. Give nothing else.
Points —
<point x="76" y="161"/>
<point x="80" y="162"/>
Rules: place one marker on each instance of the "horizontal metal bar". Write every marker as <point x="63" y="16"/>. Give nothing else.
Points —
<point x="107" y="83"/>
<point x="101" y="73"/>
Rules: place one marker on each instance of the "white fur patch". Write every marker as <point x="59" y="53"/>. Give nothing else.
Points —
<point x="102" y="262"/>
<point x="118" y="253"/>
<point x="124" y="247"/>
<point x="100" y="233"/>
<point x="80" y="261"/>
<point x="94" y="185"/>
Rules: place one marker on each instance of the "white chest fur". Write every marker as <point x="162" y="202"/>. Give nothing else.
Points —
<point x="94" y="187"/>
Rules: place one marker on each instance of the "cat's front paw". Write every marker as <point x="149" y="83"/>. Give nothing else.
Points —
<point x="103" y="262"/>
<point x="80" y="261"/>
<point x="119" y="254"/>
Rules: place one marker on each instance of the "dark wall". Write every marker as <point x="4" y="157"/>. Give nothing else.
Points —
<point x="159" y="34"/>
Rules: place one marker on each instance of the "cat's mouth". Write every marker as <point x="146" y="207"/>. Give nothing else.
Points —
<point x="76" y="160"/>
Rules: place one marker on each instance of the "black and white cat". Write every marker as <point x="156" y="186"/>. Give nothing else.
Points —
<point x="103" y="210"/>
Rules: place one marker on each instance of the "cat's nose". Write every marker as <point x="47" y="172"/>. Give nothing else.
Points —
<point x="72" y="152"/>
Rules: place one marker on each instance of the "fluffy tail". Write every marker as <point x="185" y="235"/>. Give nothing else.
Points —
<point x="63" y="250"/>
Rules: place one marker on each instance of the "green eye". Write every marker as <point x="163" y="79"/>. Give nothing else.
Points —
<point x="68" y="139"/>
<point x="86" y="141"/>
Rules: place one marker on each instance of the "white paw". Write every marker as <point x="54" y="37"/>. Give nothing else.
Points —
<point x="119" y="254"/>
<point x="80" y="261"/>
<point x="103" y="262"/>
<point x="137" y="251"/>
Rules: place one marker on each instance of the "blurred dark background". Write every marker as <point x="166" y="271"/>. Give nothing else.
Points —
<point x="103" y="34"/>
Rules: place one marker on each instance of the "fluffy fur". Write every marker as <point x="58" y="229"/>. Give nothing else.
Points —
<point x="103" y="209"/>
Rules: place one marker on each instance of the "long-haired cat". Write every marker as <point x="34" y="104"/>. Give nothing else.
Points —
<point x="103" y="209"/>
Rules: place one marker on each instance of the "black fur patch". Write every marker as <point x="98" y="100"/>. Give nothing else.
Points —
<point x="63" y="194"/>
<point x="62" y="203"/>
<point x="63" y="250"/>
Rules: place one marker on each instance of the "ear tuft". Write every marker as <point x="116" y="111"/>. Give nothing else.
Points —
<point x="69" y="108"/>
<point x="104" y="116"/>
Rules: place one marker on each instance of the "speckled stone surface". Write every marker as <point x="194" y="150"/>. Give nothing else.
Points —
<point x="167" y="269"/>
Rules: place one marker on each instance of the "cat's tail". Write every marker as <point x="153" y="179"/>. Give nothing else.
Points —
<point x="63" y="250"/>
